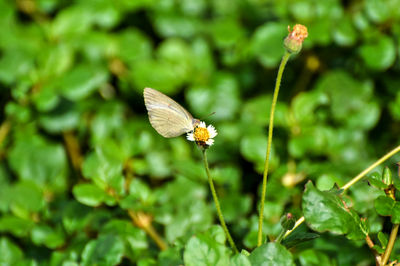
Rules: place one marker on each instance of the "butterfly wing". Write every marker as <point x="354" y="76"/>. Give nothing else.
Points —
<point x="166" y="116"/>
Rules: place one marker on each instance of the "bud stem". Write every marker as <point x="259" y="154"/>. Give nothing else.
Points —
<point x="285" y="58"/>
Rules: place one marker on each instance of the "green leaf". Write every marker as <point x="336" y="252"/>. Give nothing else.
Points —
<point x="378" y="54"/>
<point x="383" y="239"/>
<point x="139" y="196"/>
<point x="183" y="214"/>
<point x="297" y="238"/>
<point x="325" y="211"/>
<point x="104" y="166"/>
<point x="221" y="96"/>
<point x="89" y="194"/>
<point x="203" y="60"/>
<point x="304" y="106"/>
<point x="351" y="100"/>
<point x="27" y="196"/>
<point x="203" y="249"/>
<point x="176" y="53"/>
<point x="174" y="25"/>
<point x="240" y="260"/>
<point x="253" y="148"/>
<point x="313" y="140"/>
<point x="55" y="59"/>
<point x="29" y="158"/>
<point x="135" y="240"/>
<point x="271" y="254"/>
<point x="48" y="236"/>
<point x="256" y="111"/>
<point x="377" y="11"/>
<point x="395" y="106"/>
<point x="104" y="14"/>
<point x="106" y="250"/>
<point x="171" y="256"/>
<point x="384" y="205"/>
<point x="235" y="206"/>
<point x="70" y="21"/>
<point x="375" y="179"/>
<point x="48" y="97"/>
<point x="312" y="257"/>
<point x="14" y="64"/>
<point x="75" y="217"/>
<point x="147" y="262"/>
<point x="344" y="33"/>
<point x="319" y="31"/>
<point x="18" y="112"/>
<point x="82" y="81"/>
<point x="133" y="45"/>
<point x="154" y="74"/>
<point x="64" y="117"/>
<point x="11" y="254"/>
<point x="387" y="177"/>
<point x="267" y="43"/>
<point x="226" y="32"/>
<point x="14" y="225"/>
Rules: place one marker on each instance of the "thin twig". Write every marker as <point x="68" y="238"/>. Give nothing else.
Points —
<point x="4" y="129"/>
<point x="143" y="221"/>
<point x="73" y="149"/>
<point x="371" y="245"/>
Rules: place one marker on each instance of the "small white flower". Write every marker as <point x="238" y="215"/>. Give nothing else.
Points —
<point x="203" y="135"/>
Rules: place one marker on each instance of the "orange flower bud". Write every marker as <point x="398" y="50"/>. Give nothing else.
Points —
<point x="294" y="40"/>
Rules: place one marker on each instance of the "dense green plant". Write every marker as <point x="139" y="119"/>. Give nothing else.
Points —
<point x="84" y="179"/>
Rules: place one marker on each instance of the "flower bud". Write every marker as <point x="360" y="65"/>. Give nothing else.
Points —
<point x="287" y="221"/>
<point x="387" y="176"/>
<point x="294" y="41"/>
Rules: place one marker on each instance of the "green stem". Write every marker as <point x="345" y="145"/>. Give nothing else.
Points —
<point x="297" y="224"/>
<point x="372" y="166"/>
<point x="285" y="58"/>
<point x="390" y="245"/>
<point x="216" y="201"/>
<point x="280" y="237"/>
<point x="354" y="180"/>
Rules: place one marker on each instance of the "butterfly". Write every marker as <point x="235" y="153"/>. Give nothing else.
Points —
<point x="166" y="116"/>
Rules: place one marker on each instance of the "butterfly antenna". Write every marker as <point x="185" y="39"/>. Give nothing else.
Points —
<point x="213" y="113"/>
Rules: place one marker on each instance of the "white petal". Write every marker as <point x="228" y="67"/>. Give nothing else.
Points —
<point x="210" y="142"/>
<point x="202" y="124"/>
<point x="212" y="131"/>
<point x="190" y="136"/>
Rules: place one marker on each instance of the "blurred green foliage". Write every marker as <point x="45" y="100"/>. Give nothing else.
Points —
<point x="78" y="153"/>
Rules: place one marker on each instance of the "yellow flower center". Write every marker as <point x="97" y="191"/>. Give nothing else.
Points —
<point x="201" y="134"/>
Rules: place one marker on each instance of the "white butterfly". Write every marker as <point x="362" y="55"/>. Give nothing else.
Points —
<point x="166" y="116"/>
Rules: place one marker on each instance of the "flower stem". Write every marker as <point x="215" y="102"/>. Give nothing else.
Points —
<point x="354" y="180"/>
<point x="285" y="58"/>
<point x="372" y="166"/>
<point x="216" y="201"/>
<point x="390" y="245"/>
